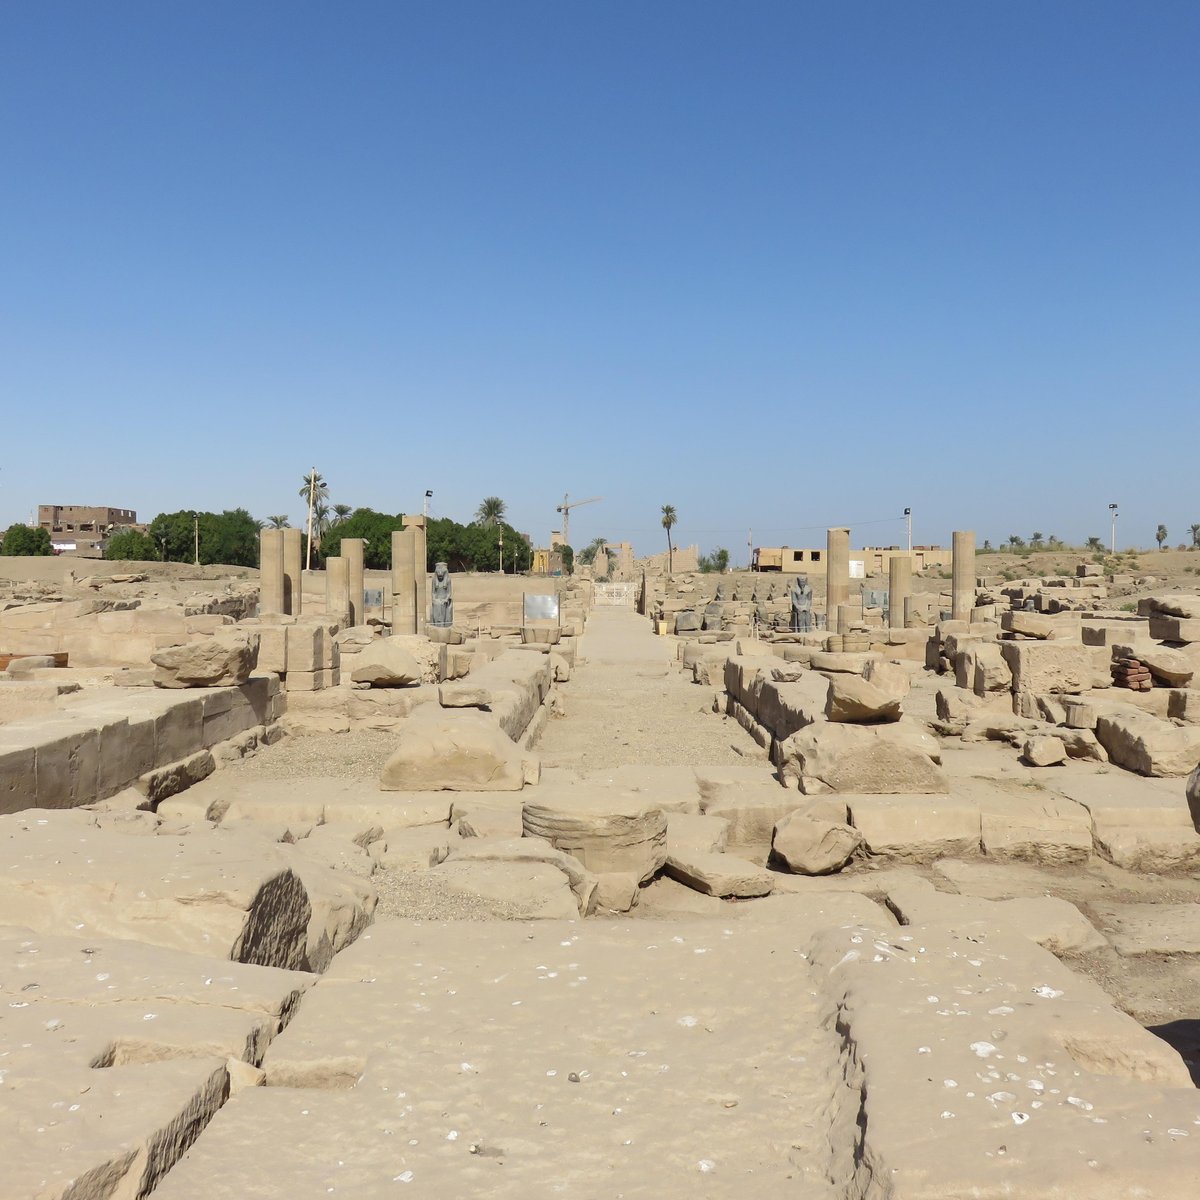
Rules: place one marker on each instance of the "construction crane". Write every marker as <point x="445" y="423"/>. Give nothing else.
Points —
<point x="565" y="508"/>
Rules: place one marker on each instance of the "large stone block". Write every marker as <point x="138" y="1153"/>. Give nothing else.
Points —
<point x="1049" y="667"/>
<point x="459" y="750"/>
<point x="1142" y="743"/>
<point x="214" y="662"/>
<point x="858" y="758"/>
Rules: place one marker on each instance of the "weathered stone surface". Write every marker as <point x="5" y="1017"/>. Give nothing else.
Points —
<point x="606" y="832"/>
<point x="721" y="875"/>
<point x="673" y="789"/>
<point x="458" y="750"/>
<point x="1135" y="929"/>
<point x="992" y="674"/>
<point x="998" y="727"/>
<point x="749" y="800"/>
<point x="532" y="850"/>
<point x="917" y="828"/>
<point x="1051" y="922"/>
<point x="210" y="663"/>
<point x="809" y="846"/>
<point x="1040" y="827"/>
<point x="1192" y="791"/>
<point x="617" y="892"/>
<point x="1049" y="667"/>
<point x="854" y="699"/>
<point x="238" y="897"/>
<point x="1044" y="751"/>
<point x="537" y="890"/>
<point x="851" y="758"/>
<point x="692" y="831"/>
<point x="1142" y="743"/>
<point x="387" y="662"/>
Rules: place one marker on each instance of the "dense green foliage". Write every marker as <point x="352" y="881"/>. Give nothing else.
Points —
<point x="377" y="528"/>
<point x="131" y="545"/>
<point x="476" y="547"/>
<point x="229" y="538"/>
<point x="568" y="557"/>
<point x="26" y="539"/>
<point x="715" y="563"/>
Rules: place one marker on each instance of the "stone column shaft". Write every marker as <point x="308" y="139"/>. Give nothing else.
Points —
<point x="352" y="552"/>
<point x="293" y="568"/>
<point x="963" y="575"/>
<point x="270" y="572"/>
<point x="404" y="591"/>
<point x="337" y="591"/>
<point x="421" y="567"/>
<point x="837" y="574"/>
<point x="899" y="588"/>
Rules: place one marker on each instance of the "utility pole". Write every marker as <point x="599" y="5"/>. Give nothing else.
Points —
<point x="196" y="531"/>
<point x="908" y="520"/>
<point x="1113" y="546"/>
<point x="750" y="548"/>
<point x="501" y="549"/>
<point x="425" y="506"/>
<point x="312" y="487"/>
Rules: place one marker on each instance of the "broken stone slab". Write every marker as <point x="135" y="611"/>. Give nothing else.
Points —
<point x="1142" y="743"/>
<point x="673" y="789"/>
<point x="1053" y="923"/>
<point x="387" y="662"/>
<point x="749" y="803"/>
<point x="957" y="1043"/>
<point x="457" y="750"/>
<point x="463" y="695"/>
<point x="213" y="662"/>
<point x="723" y="875"/>
<point x="532" y="850"/>
<point x="617" y="892"/>
<point x="916" y="828"/>
<point x="1135" y="929"/>
<point x="247" y="899"/>
<point x="607" y="832"/>
<point x="414" y="848"/>
<point x="692" y="831"/>
<point x="481" y="815"/>
<point x="860" y="759"/>
<point x="1023" y="824"/>
<point x="852" y="698"/>
<point x="809" y="846"/>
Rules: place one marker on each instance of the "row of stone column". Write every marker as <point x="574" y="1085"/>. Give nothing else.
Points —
<point x="837" y="581"/>
<point x="281" y="562"/>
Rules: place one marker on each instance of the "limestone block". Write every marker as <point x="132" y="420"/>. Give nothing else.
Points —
<point x="1051" y="922"/>
<point x="1042" y="828"/>
<point x="813" y="847"/>
<point x="459" y="750"/>
<point x="852" y="698"/>
<point x="721" y="875"/>
<point x="1184" y="706"/>
<point x="160" y="783"/>
<point x="532" y="850"/>
<point x="785" y="707"/>
<point x="1044" y="751"/>
<point x="1192" y="791"/>
<point x="386" y="663"/>
<point x="694" y="831"/>
<point x="18" y="779"/>
<point x="917" y="828"/>
<point x="1142" y="743"/>
<point x="210" y="663"/>
<point x="750" y="810"/>
<point x="842" y="663"/>
<point x="607" y="833"/>
<point x="616" y="892"/>
<point x="209" y="892"/>
<point x="478" y="814"/>
<point x="1051" y="666"/>
<point x="673" y="789"/>
<point x="414" y="849"/>
<point x="992" y="673"/>
<point x="856" y="758"/>
<point x="67" y="762"/>
<point x="1082" y="744"/>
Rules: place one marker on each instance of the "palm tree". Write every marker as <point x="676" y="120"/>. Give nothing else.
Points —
<point x="1160" y="535"/>
<point x="279" y="521"/>
<point x="1094" y="543"/>
<point x="1195" y="532"/>
<point x="1035" y="541"/>
<point x="341" y="512"/>
<point x="1016" y="541"/>
<point x="321" y="521"/>
<point x="490" y="511"/>
<point x="669" y="518"/>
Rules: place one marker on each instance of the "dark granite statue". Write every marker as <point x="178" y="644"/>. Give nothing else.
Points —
<point x="442" y="611"/>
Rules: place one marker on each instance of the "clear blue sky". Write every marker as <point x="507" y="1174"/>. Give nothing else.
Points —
<point x="782" y="265"/>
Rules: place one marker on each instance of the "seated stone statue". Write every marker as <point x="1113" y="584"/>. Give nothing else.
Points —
<point x="800" y="595"/>
<point x="442" y="609"/>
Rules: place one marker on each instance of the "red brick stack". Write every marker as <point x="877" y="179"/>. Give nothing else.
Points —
<point x="1131" y="673"/>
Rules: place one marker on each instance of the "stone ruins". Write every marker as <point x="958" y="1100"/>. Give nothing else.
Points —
<point x="342" y="882"/>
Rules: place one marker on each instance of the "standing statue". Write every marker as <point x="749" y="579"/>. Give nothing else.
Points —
<point x="801" y="597"/>
<point x="442" y="612"/>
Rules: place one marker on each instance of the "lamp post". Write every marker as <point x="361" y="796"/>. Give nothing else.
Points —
<point x="1112" y="508"/>
<point x="908" y="522"/>
<point x="425" y="506"/>
<point x="501" y="544"/>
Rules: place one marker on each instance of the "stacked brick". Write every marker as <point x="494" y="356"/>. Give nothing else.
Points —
<point x="1131" y="673"/>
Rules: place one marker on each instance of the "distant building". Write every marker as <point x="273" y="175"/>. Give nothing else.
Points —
<point x="870" y="560"/>
<point x="83" y="529"/>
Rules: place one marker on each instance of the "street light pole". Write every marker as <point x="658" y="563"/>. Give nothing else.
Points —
<point x="1113" y="545"/>
<point x="196" y="531"/>
<point x="908" y="521"/>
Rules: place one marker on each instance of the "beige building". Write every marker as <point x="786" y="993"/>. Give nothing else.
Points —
<point x="81" y="528"/>
<point x="870" y="560"/>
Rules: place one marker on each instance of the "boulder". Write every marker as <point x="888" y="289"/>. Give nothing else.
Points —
<point x="1044" y="751"/>
<point x="852" y="698"/>
<point x="813" y="847"/>
<point x="455" y="750"/>
<point x="607" y="833"/>
<point x="213" y="662"/>
<point x="687" y="622"/>
<point x="855" y="758"/>
<point x="1142" y="743"/>
<point x="386" y="663"/>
